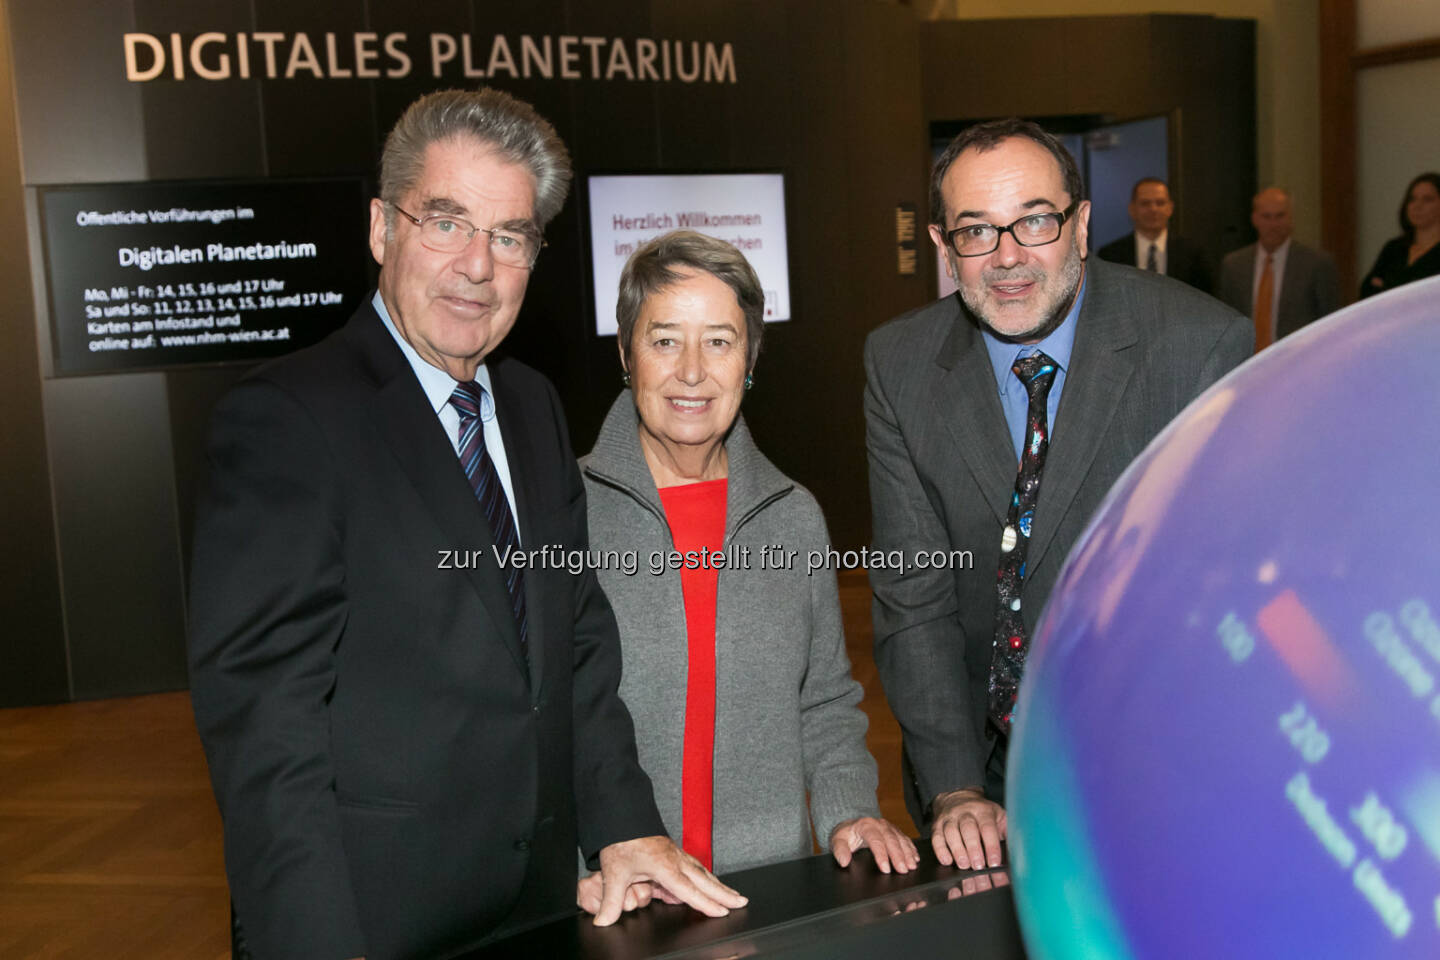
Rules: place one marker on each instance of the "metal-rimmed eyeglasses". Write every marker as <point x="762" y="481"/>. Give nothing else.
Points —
<point x="447" y="233"/>
<point x="1035" y="230"/>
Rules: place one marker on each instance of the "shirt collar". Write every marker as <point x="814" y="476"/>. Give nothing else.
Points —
<point x="437" y="384"/>
<point x="1057" y="346"/>
<point x="1159" y="241"/>
<point x="1278" y="253"/>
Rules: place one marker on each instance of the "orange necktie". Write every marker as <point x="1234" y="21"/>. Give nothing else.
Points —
<point x="1264" y="327"/>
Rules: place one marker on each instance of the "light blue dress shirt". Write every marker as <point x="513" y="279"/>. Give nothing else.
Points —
<point x="438" y="386"/>
<point x="1013" y="399"/>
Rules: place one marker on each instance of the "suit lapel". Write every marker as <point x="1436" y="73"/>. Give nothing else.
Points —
<point x="404" y="419"/>
<point x="1100" y="369"/>
<point x="525" y="472"/>
<point x="967" y="401"/>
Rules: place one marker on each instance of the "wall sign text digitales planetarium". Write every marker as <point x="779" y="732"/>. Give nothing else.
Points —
<point x="372" y="56"/>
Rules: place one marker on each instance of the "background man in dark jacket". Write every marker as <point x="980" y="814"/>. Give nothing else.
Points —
<point x="1152" y="246"/>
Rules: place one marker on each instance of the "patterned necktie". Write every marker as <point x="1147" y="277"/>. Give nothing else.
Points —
<point x="1152" y="260"/>
<point x="1007" y="659"/>
<point x="1264" y="302"/>
<point x="480" y="471"/>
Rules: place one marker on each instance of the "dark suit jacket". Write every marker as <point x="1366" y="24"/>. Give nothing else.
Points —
<point x="942" y="471"/>
<point x="394" y="778"/>
<point x="1183" y="260"/>
<point x="1309" y="290"/>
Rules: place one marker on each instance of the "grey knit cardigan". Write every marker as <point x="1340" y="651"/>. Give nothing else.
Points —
<point x="786" y="718"/>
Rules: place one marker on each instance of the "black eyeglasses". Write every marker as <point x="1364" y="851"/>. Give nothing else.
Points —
<point x="446" y="233"/>
<point x="1036" y="230"/>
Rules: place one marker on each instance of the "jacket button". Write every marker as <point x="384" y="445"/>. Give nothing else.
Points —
<point x="522" y="845"/>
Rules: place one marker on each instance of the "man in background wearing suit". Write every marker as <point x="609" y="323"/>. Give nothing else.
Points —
<point x="1278" y="282"/>
<point x="1152" y="246"/>
<point x="408" y="737"/>
<point x="1064" y="367"/>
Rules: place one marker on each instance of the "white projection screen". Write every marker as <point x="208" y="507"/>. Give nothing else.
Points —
<point x="746" y="209"/>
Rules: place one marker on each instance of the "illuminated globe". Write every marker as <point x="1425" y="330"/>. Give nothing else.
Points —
<point x="1228" y="740"/>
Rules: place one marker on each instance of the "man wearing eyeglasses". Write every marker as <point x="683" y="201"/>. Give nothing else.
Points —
<point x="996" y="420"/>
<point x="409" y="730"/>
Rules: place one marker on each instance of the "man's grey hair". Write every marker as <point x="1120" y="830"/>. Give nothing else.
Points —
<point x="509" y="125"/>
<point x="662" y="262"/>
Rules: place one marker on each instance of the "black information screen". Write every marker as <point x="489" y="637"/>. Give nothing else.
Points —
<point x="146" y="275"/>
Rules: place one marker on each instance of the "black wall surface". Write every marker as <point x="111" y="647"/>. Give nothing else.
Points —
<point x="32" y="652"/>
<point x="100" y="470"/>
<point x="1197" y="70"/>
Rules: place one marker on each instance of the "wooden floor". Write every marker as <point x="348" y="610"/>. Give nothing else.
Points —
<point x="109" y="837"/>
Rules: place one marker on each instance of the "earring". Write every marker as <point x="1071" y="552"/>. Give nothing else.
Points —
<point x="625" y="378"/>
<point x="749" y="381"/>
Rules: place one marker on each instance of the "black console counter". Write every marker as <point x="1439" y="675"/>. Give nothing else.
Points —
<point x="804" y="910"/>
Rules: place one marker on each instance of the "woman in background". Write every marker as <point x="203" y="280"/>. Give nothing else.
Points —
<point x="737" y="678"/>
<point x="1415" y="254"/>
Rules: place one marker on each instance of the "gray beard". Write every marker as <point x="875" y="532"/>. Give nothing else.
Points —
<point x="1069" y="281"/>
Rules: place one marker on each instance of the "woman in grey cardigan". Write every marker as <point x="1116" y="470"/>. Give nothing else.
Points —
<point x="734" y="658"/>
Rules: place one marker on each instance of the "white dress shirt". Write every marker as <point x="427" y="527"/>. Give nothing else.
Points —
<point x="438" y="386"/>
<point x="1142" y="250"/>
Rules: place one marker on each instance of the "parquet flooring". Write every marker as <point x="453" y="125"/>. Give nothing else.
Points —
<point x="109" y="837"/>
<point x="110" y="840"/>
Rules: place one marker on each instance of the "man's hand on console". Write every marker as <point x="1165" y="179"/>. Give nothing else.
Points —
<point x="967" y="829"/>
<point x="883" y="838"/>
<point x="635" y="871"/>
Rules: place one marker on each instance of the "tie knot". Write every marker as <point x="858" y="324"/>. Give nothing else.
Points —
<point x="469" y="399"/>
<point x="1037" y="372"/>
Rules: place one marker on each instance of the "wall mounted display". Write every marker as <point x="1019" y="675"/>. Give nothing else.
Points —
<point x="745" y="209"/>
<point x="149" y="275"/>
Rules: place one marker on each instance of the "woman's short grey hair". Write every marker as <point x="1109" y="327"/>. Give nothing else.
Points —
<point x="662" y="262"/>
<point x="509" y="125"/>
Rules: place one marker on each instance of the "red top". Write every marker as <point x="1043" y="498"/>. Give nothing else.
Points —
<point x="696" y="514"/>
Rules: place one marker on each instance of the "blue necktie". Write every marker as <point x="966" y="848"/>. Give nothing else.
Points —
<point x="485" y="481"/>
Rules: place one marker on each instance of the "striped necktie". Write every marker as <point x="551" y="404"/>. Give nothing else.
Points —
<point x="468" y="400"/>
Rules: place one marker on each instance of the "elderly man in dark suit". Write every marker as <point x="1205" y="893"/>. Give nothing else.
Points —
<point x="1278" y="282"/>
<point x="409" y="732"/>
<point x="1153" y="246"/>
<point x="996" y="421"/>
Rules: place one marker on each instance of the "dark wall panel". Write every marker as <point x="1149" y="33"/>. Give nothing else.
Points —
<point x="80" y="125"/>
<point x="119" y="549"/>
<point x="32" y="661"/>
<point x="196" y="128"/>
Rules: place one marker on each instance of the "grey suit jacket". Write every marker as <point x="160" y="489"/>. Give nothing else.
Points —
<point x="1309" y="290"/>
<point x="942" y="470"/>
